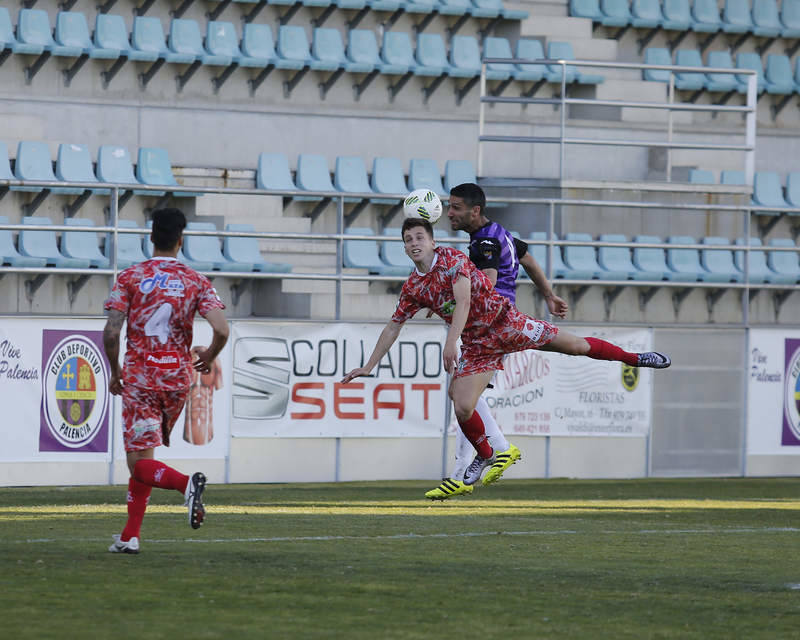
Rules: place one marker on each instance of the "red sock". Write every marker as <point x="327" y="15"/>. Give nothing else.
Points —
<point x="475" y="432"/>
<point x="602" y="350"/>
<point x="157" y="474"/>
<point x="138" y="497"/>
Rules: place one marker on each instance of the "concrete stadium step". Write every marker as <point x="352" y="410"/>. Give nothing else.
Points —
<point x="357" y="288"/>
<point x="557" y="28"/>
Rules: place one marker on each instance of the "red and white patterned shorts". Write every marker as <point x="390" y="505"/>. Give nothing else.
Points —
<point x="513" y="331"/>
<point x="148" y="416"/>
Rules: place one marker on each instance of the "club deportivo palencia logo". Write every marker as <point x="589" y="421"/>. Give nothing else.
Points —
<point x="75" y="400"/>
<point x="791" y="394"/>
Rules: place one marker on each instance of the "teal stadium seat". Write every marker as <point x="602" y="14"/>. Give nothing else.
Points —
<point x="185" y="40"/>
<point x="154" y="168"/>
<point x="149" y="42"/>
<point x="790" y="19"/>
<point x="34" y="163"/>
<point x="5" y="166"/>
<point x="7" y="39"/>
<point x="720" y="82"/>
<point x="273" y="173"/>
<point x="701" y="176"/>
<point x="33" y="30"/>
<point x="495" y="8"/>
<point x="114" y="165"/>
<point x="685" y="263"/>
<point x="10" y="255"/>
<point x="111" y="34"/>
<point x="207" y="248"/>
<point x="732" y="177"/>
<point x="494" y="47"/>
<point x="736" y="17"/>
<point x="129" y="246"/>
<point x="580" y="259"/>
<point x="766" y="21"/>
<point x="757" y="263"/>
<point x="362" y="49"/>
<point x="223" y="41"/>
<point x="384" y="5"/>
<point x="397" y="54"/>
<point x="431" y="56"/>
<point x="660" y="56"/>
<point x="646" y="14"/>
<point x="74" y="164"/>
<point x="327" y="50"/>
<point x="424" y="174"/>
<point x="363" y="254"/>
<point x="465" y="60"/>
<point x="651" y="260"/>
<point x="313" y="175"/>
<point x="561" y="51"/>
<point x="73" y="31"/>
<point x="83" y="245"/>
<point x="539" y="253"/>
<point x="350" y="176"/>
<point x="705" y="16"/>
<point x="793" y="189"/>
<point x="719" y="262"/>
<point x="586" y="9"/>
<point x="244" y="250"/>
<point x="258" y="46"/>
<point x="456" y="8"/>
<point x="43" y="244"/>
<point x="420" y="6"/>
<point x="616" y="263"/>
<point x="458" y="172"/>
<point x="293" y="49"/>
<point x="615" y="13"/>
<point x="750" y="60"/>
<point x="784" y="263"/>
<point x="778" y="75"/>
<point x="530" y="49"/>
<point x="388" y="177"/>
<point x="768" y="192"/>
<point x="677" y="15"/>
<point x="689" y="80"/>
<point x="394" y="253"/>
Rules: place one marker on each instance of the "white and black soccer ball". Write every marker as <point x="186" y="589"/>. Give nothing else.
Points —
<point x="423" y="204"/>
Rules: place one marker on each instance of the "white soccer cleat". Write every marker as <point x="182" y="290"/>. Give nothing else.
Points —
<point x="475" y="469"/>
<point x="118" y="546"/>
<point x="194" y="499"/>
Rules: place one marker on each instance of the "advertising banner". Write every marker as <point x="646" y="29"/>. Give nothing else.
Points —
<point x="773" y="413"/>
<point x="286" y="381"/>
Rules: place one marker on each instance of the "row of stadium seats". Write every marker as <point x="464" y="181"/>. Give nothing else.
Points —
<point x="258" y="50"/>
<point x="80" y="249"/>
<point x="585" y="262"/>
<point x="703" y="16"/>
<point x="767" y="188"/>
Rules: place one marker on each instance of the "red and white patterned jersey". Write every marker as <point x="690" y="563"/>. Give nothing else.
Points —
<point x="434" y="290"/>
<point x="160" y="298"/>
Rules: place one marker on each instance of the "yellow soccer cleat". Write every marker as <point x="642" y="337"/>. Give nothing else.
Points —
<point x="448" y="489"/>
<point x="502" y="461"/>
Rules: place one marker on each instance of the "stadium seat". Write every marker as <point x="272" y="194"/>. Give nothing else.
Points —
<point x="793" y="189"/>
<point x="580" y="259"/>
<point x="458" y="172"/>
<point x="293" y="49"/>
<point x="72" y="31"/>
<point x="646" y="14"/>
<point x="111" y="34"/>
<point x="705" y="16"/>
<point x="615" y="13"/>
<point x="420" y="6"/>
<point x="616" y="263"/>
<point x="129" y="246"/>
<point x="7" y="38"/>
<point x="74" y="164"/>
<point x="313" y="175"/>
<point x="457" y="8"/>
<point x="397" y="54"/>
<point x="327" y="50"/>
<point x="685" y="263"/>
<point x="431" y="56"/>
<point x="719" y="262"/>
<point x="154" y="168"/>
<point x="736" y="17"/>
<point x="9" y="253"/>
<point x="223" y="41"/>
<point x="766" y="21"/>
<point x="529" y="49"/>
<point x="701" y="176"/>
<point x="33" y="30"/>
<point x="363" y="254"/>
<point x="651" y="260"/>
<point x="750" y="60"/>
<point x="492" y="8"/>
<point x="539" y="253"/>
<point x="465" y="60"/>
<point x="34" y="163"/>
<point x="388" y="177"/>
<point x="114" y="165"/>
<point x="494" y="47"/>
<point x="757" y="262"/>
<point x="660" y="56"/>
<point x="778" y="75"/>
<point x="350" y="176"/>
<point x="677" y="15"/>
<point x="720" y="81"/>
<point x="790" y="19"/>
<point x="732" y="177"/>
<point x="362" y="49"/>
<point x="207" y="248"/>
<point x="394" y="253"/>
<point x="42" y="244"/>
<point x="785" y="264"/>
<point x="185" y="39"/>
<point x="258" y="46"/>
<point x="83" y="245"/>
<point x="273" y="173"/>
<point x="5" y="167"/>
<point x="424" y="174"/>
<point x="768" y="192"/>
<point x="687" y="80"/>
<point x="244" y="251"/>
<point x="561" y="51"/>
<point x="586" y="9"/>
<point x="148" y="40"/>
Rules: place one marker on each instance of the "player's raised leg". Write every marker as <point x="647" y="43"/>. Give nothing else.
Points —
<point x="599" y="349"/>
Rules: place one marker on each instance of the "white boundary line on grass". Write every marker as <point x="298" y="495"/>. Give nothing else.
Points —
<point x="421" y="536"/>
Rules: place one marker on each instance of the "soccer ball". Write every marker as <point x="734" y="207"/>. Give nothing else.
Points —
<point x="423" y="204"/>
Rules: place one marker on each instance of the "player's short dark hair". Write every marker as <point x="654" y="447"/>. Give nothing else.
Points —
<point x="471" y="194"/>
<point x="168" y="226"/>
<point x="410" y="223"/>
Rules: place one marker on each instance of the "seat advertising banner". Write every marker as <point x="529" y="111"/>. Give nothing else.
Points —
<point x="286" y="381"/>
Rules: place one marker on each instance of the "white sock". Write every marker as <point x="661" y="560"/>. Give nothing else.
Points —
<point x="464" y="455"/>
<point x="493" y="433"/>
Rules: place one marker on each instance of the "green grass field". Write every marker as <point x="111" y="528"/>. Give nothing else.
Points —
<point x="709" y="558"/>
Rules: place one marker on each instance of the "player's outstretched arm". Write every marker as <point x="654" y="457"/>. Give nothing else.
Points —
<point x="557" y="306"/>
<point x="462" y="289"/>
<point x="111" y="333"/>
<point x="219" y="325"/>
<point x="385" y="342"/>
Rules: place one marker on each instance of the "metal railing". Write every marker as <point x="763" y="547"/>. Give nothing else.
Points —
<point x="563" y="140"/>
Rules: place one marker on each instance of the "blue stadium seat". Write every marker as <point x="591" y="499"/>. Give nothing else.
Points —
<point x="732" y="177"/>
<point x="7" y="38"/>
<point x="384" y="5"/>
<point x="768" y="192"/>
<point x="529" y="49"/>
<point x="350" y="176"/>
<point x="616" y="13"/>
<point x="785" y="264"/>
<point x="701" y="176"/>
<point x="539" y="253"/>
<point x="244" y="251"/>
<point x="677" y="15"/>
<point x="327" y="50"/>
<point x="5" y="165"/>
<point x="185" y="40"/>
<point x="33" y="30"/>
<point x="616" y="263"/>
<point x="431" y="55"/>
<point x="72" y="32"/>
<point x="561" y="51"/>
<point x="273" y="173"/>
<point x="34" y="163"/>
<point x="651" y="260"/>
<point x="646" y="14"/>
<point x="705" y="16"/>
<point x="388" y="177"/>
<point x="258" y="46"/>
<point x="114" y="165"/>
<point x="689" y="81"/>
<point x="766" y="22"/>
<point x="790" y="18"/>
<point x="397" y="55"/>
<point x="197" y="266"/>
<point x="154" y="168"/>
<point x="129" y="246"/>
<point x="580" y="259"/>
<point x="736" y="17"/>
<point x="9" y="253"/>
<point x="394" y="253"/>
<point x="656" y="55"/>
<point x="685" y="263"/>
<point x="750" y="60"/>
<point x="42" y="244"/>
<point x="148" y="41"/>
<point x="586" y="9"/>
<point x="313" y="175"/>
<point x="74" y="164"/>
<point x="778" y="75"/>
<point x="494" y="47"/>
<point x="111" y="35"/>
<point x="757" y="262"/>
<point x="83" y="245"/>
<point x="293" y="48"/>
<point x="719" y="262"/>
<point x="456" y="7"/>
<point x="424" y="174"/>
<point x="458" y="172"/>
<point x="363" y="254"/>
<point x="223" y="41"/>
<point x="465" y="60"/>
<point x="793" y="189"/>
<point x="420" y="6"/>
<point x="362" y="49"/>
<point x="207" y="248"/>
<point x="493" y="8"/>
<point x="720" y="81"/>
